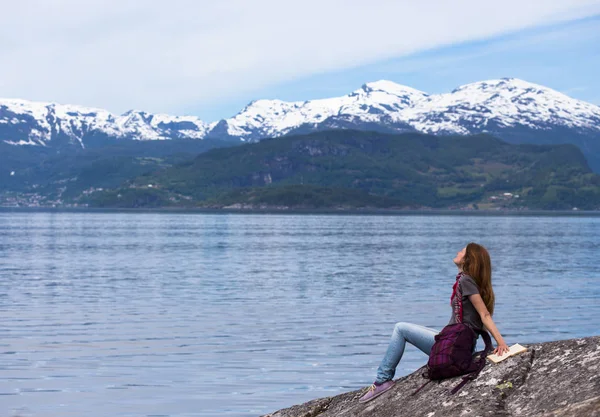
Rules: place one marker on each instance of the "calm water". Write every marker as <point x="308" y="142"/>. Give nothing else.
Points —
<point x="146" y="314"/>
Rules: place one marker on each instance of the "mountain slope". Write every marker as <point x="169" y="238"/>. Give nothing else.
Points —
<point x="514" y="110"/>
<point x="473" y="108"/>
<point x="484" y="106"/>
<point x="31" y="123"/>
<point x="408" y="169"/>
<point x="49" y="174"/>
<point x="378" y="103"/>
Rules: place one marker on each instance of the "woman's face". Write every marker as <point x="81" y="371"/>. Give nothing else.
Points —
<point x="459" y="257"/>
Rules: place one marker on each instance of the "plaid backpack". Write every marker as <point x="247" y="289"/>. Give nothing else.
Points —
<point x="452" y="352"/>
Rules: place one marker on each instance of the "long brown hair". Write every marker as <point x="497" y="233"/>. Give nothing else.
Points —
<point x="478" y="265"/>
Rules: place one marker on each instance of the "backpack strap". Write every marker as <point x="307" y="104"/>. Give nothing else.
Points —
<point x="480" y="363"/>
<point x="463" y="383"/>
<point x="424" y="375"/>
<point x="486" y="339"/>
<point x="421" y="387"/>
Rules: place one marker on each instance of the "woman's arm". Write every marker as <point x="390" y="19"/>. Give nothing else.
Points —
<point x="486" y="318"/>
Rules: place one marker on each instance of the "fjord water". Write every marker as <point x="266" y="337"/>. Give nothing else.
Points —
<point x="161" y="314"/>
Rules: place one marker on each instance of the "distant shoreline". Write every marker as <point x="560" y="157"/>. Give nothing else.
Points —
<point x="327" y="211"/>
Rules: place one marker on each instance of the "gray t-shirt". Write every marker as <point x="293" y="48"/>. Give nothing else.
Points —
<point x="471" y="317"/>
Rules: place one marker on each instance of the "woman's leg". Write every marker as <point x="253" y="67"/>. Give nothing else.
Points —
<point x="419" y="336"/>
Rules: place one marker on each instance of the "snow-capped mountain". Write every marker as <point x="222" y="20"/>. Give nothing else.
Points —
<point x="377" y="103"/>
<point x="34" y="123"/>
<point x="515" y="110"/>
<point x="496" y="104"/>
<point x="512" y="109"/>
<point x="487" y="106"/>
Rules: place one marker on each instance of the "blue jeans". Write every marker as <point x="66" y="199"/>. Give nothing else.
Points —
<point x="419" y="336"/>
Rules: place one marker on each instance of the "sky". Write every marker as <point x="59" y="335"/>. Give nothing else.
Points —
<point x="210" y="59"/>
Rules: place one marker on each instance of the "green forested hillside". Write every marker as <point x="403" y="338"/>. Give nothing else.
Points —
<point x="66" y="173"/>
<point x="382" y="170"/>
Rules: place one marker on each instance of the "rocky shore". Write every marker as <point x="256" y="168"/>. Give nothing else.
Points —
<point x="560" y="378"/>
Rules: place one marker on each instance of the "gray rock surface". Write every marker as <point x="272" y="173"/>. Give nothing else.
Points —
<point x="560" y="378"/>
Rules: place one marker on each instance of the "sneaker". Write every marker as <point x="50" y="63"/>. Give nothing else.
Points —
<point x="375" y="391"/>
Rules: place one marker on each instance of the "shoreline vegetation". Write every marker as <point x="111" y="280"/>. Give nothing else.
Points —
<point x="308" y="211"/>
<point x="330" y="171"/>
<point x="369" y="170"/>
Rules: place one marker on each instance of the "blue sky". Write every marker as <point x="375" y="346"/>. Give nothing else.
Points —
<point x="210" y="58"/>
<point x="563" y="56"/>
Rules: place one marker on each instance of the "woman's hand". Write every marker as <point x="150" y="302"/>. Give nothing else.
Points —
<point x="501" y="349"/>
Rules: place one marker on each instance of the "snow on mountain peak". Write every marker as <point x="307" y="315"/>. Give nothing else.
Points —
<point x="392" y="88"/>
<point x="371" y="103"/>
<point x="507" y="102"/>
<point x="483" y="106"/>
<point x="470" y="108"/>
<point x="42" y="121"/>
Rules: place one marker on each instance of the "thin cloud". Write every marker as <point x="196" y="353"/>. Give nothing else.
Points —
<point x="159" y="55"/>
<point x="569" y="91"/>
<point x="595" y="101"/>
<point x="545" y="38"/>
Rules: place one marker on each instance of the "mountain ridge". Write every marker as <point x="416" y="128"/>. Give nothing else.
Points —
<point x="509" y="108"/>
<point x="370" y="169"/>
<point x="508" y="101"/>
<point x="371" y="102"/>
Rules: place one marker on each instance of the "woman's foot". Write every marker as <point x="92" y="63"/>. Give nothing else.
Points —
<point x="376" y="390"/>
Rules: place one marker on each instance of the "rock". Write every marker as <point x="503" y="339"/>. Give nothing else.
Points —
<point x="560" y="378"/>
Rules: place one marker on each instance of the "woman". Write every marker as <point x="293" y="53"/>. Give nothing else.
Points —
<point x="475" y="280"/>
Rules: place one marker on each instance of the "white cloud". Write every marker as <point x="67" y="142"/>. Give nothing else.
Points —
<point x="163" y="55"/>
